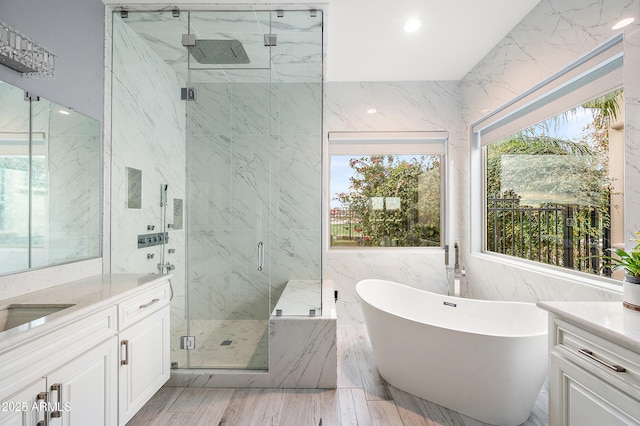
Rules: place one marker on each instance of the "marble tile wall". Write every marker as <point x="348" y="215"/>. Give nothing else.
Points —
<point x="401" y="106"/>
<point x="255" y="157"/>
<point x="74" y="187"/>
<point x="148" y="131"/>
<point x="553" y="35"/>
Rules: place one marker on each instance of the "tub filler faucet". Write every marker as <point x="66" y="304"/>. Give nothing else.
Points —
<point x="455" y="272"/>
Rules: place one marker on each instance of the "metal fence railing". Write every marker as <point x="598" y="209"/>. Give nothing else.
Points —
<point x="570" y="236"/>
<point x="345" y="229"/>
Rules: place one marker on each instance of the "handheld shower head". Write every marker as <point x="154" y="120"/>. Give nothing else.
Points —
<point x="456" y="255"/>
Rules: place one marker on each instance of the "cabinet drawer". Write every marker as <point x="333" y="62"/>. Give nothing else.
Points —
<point x="587" y="400"/>
<point x="609" y="361"/>
<point x="33" y="359"/>
<point x="139" y="306"/>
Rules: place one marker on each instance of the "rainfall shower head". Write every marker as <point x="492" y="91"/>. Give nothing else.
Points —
<point x="218" y="52"/>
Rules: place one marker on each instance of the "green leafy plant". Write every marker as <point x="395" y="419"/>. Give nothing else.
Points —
<point x="628" y="261"/>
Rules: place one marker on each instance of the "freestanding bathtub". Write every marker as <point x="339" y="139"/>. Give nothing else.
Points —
<point x="484" y="359"/>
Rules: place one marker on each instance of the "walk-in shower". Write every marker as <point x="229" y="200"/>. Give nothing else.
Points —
<point x="225" y="107"/>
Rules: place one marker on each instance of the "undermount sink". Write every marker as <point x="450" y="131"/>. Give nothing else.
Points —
<point x="15" y="315"/>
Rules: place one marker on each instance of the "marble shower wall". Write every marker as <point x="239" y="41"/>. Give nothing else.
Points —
<point x="148" y="131"/>
<point x="554" y="34"/>
<point x="401" y="106"/>
<point x="255" y="158"/>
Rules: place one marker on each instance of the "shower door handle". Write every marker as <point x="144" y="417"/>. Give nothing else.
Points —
<point x="260" y="256"/>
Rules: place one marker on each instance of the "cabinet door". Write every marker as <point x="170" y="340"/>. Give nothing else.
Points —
<point x="144" y="362"/>
<point x="84" y="391"/>
<point x="582" y="399"/>
<point x="25" y="408"/>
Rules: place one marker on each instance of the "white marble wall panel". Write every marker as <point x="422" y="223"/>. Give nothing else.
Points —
<point x="254" y="147"/>
<point x="298" y="108"/>
<point x="297" y="57"/>
<point x="572" y="28"/>
<point x="632" y="131"/>
<point x="74" y="193"/>
<point x="299" y="186"/>
<point x="507" y="69"/>
<point x="303" y="351"/>
<point x="148" y="133"/>
<point x="553" y="35"/>
<point x="210" y="193"/>
<point x="401" y="106"/>
<point x="230" y="194"/>
<point x="211" y="112"/>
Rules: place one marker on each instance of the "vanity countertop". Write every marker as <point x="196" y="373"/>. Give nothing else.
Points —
<point x="87" y="295"/>
<point x="608" y="319"/>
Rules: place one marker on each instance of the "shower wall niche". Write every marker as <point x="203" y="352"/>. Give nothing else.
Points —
<point x="244" y="155"/>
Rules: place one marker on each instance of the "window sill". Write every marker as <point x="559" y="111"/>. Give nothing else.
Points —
<point x="599" y="283"/>
<point x="420" y="250"/>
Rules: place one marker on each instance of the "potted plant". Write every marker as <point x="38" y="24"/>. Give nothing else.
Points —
<point x="630" y="263"/>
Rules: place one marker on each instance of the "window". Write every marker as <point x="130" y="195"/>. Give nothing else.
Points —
<point x="386" y="189"/>
<point x="553" y="163"/>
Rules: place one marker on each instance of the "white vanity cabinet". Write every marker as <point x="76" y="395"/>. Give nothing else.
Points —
<point x="20" y="409"/>
<point x="144" y="349"/>
<point x="83" y="391"/>
<point x="594" y="372"/>
<point x="66" y="376"/>
<point x="94" y="366"/>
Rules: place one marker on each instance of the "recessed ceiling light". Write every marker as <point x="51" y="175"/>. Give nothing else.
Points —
<point x="62" y="111"/>
<point x="412" y="25"/>
<point x="372" y="111"/>
<point x="623" y="23"/>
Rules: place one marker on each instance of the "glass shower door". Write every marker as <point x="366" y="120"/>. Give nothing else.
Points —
<point x="229" y="172"/>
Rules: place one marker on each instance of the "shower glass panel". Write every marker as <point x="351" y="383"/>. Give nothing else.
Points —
<point x="254" y="134"/>
<point x="230" y="146"/>
<point x="252" y="151"/>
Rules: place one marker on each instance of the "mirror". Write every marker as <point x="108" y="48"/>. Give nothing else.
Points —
<point x="49" y="183"/>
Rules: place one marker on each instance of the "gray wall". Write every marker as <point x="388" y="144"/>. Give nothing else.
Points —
<point x="74" y="31"/>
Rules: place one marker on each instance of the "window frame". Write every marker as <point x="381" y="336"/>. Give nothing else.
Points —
<point x="348" y="143"/>
<point x="597" y="73"/>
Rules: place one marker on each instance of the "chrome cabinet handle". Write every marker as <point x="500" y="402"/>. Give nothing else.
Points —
<point x="146" y="305"/>
<point x="40" y="398"/>
<point x="125" y="344"/>
<point x="57" y="387"/>
<point x="590" y="355"/>
<point x="260" y="256"/>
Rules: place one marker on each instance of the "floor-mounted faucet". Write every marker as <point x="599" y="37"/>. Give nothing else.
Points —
<point x="455" y="273"/>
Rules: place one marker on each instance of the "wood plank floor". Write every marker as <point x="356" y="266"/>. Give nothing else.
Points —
<point x="361" y="399"/>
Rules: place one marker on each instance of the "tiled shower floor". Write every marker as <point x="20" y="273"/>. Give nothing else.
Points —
<point x="230" y="344"/>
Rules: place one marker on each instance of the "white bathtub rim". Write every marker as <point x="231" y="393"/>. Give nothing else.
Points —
<point x="542" y="332"/>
